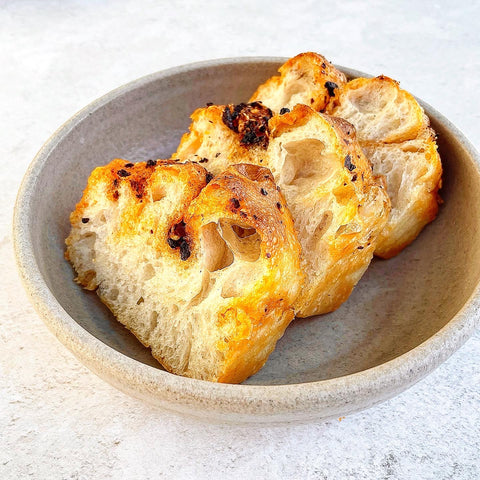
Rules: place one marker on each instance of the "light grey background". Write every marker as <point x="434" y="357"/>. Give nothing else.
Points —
<point x="58" y="420"/>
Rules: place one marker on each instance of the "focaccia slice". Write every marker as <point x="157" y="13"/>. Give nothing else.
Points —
<point x="204" y="275"/>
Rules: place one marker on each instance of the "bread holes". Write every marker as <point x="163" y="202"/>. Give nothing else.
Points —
<point x="348" y="229"/>
<point x="148" y="272"/>
<point x="306" y="164"/>
<point x="158" y="192"/>
<point x="114" y="292"/>
<point x="230" y="251"/>
<point x="217" y="254"/>
<point x="243" y="241"/>
<point x="153" y="321"/>
<point x="321" y="227"/>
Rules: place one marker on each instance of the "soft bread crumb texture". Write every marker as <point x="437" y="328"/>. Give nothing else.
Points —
<point x="204" y="275"/>
<point x="392" y="129"/>
<point x="338" y="205"/>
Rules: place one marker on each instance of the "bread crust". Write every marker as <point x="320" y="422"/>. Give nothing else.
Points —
<point x="395" y="135"/>
<point x="339" y="207"/>
<point x="308" y="78"/>
<point x="203" y="274"/>
<point x="388" y="120"/>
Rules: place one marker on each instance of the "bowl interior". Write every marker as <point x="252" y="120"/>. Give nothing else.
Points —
<point x="397" y="305"/>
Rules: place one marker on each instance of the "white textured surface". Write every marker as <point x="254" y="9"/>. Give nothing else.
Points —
<point x="57" y="420"/>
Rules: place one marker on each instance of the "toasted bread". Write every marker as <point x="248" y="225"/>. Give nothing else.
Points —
<point x="395" y="135"/>
<point x="204" y="275"/>
<point x="413" y="172"/>
<point x="383" y="114"/>
<point x="339" y="207"/>
<point x="308" y="78"/>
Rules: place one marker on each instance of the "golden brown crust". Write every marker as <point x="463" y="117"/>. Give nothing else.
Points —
<point x="307" y="78"/>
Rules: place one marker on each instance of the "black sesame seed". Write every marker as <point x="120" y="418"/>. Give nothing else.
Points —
<point x="331" y="86"/>
<point x="203" y="160"/>
<point x="208" y="177"/>
<point x="354" y="177"/>
<point x="85" y="220"/>
<point x="284" y="110"/>
<point x="151" y="163"/>
<point x="263" y="191"/>
<point x="360" y="247"/>
<point x="268" y="255"/>
<point x="128" y="165"/>
<point x="235" y="202"/>
<point x="348" y="163"/>
<point x="123" y="173"/>
<point x="209" y="104"/>
<point x="151" y="231"/>
<point x="279" y="205"/>
<point x="217" y="155"/>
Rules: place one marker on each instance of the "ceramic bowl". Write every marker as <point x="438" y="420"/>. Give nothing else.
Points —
<point x="405" y="317"/>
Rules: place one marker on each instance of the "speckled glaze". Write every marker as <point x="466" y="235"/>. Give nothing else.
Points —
<point x="405" y="317"/>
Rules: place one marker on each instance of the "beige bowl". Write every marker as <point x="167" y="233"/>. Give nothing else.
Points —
<point x="406" y="316"/>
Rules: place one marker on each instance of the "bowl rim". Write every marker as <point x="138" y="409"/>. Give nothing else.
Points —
<point x="338" y="395"/>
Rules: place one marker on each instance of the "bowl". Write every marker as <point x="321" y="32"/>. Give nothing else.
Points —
<point x="404" y="318"/>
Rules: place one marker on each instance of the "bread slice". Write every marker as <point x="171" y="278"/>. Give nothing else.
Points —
<point x="394" y="134"/>
<point x="413" y="171"/>
<point x="339" y="207"/>
<point x="308" y="78"/>
<point x="383" y="114"/>
<point x="204" y="275"/>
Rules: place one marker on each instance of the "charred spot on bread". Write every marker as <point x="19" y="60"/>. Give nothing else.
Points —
<point x="331" y="86"/>
<point x="235" y="203"/>
<point x="250" y="120"/>
<point x="208" y="177"/>
<point x="348" y="163"/>
<point x="177" y="238"/>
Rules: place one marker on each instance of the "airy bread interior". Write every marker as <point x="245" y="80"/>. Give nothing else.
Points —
<point x="204" y="275"/>
<point x="385" y="116"/>
<point x="339" y="207"/>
